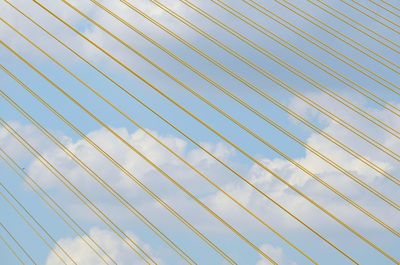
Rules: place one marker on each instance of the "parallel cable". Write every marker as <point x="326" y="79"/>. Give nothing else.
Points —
<point x="263" y="30"/>
<point x="252" y="158"/>
<point x="12" y="250"/>
<point x="169" y="242"/>
<point x="126" y="172"/>
<point x="20" y="246"/>
<point x="189" y="138"/>
<point x="370" y="189"/>
<point x="353" y="41"/>
<point x="387" y="9"/>
<point x="246" y="105"/>
<point x="392" y="230"/>
<point x="99" y="180"/>
<point x="383" y="103"/>
<point x="378" y="194"/>
<point x="334" y="12"/>
<point x="33" y="228"/>
<point x="326" y="68"/>
<point x="128" y="240"/>
<point x="377" y="168"/>
<point x="274" y="174"/>
<point x="365" y="30"/>
<point x="323" y="46"/>
<point x="372" y="17"/>
<point x="277" y="103"/>
<point x="175" y="154"/>
<point x="54" y="206"/>
<point x="159" y="169"/>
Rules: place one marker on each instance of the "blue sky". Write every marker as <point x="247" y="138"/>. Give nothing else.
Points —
<point x="230" y="243"/>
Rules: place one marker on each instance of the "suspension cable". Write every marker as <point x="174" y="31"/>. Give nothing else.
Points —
<point x="189" y="138"/>
<point x="128" y="240"/>
<point x="54" y="206"/>
<point x="190" y="165"/>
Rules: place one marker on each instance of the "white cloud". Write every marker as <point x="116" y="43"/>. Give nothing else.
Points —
<point x="91" y="31"/>
<point x="245" y="194"/>
<point x="276" y="253"/>
<point x="16" y="150"/>
<point x="322" y="195"/>
<point x="214" y="199"/>
<point x="128" y="159"/>
<point x="120" y="252"/>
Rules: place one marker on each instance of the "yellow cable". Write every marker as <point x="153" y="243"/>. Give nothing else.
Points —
<point x="334" y="11"/>
<point x="11" y="249"/>
<point x="99" y="180"/>
<point x="324" y="67"/>
<point x="128" y="240"/>
<point x="292" y="187"/>
<point x="323" y="46"/>
<point x="262" y="93"/>
<point x="125" y="171"/>
<point x="372" y="17"/>
<point x="200" y="146"/>
<point x="387" y="9"/>
<point x="161" y="171"/>
<point x="9" y="246"/>
<point x="392" y="230"/>
<point x="337" y="11"/>
<point x="191" y="166"/>
<point x="386" y="105"/>
<point x="250" y="157"/>
<point x="33" y="228"/>
<point x="248" y="106"/>
<point x="372" y="96"/>
<point x="54" y="206"/>
<point x="380" y="170"/>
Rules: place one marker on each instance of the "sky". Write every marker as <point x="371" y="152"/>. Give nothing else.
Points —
<point x="369" y="44"/>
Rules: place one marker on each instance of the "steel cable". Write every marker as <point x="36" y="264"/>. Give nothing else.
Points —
<point x="301" y="193"/>
<point x="323" y="46"/>
<point x="16" y="241"/>
<point x="372" y="17"/>
<point x="33" y="228"/>
<point x="175" y="154"/>
<point x="55" y="207"/>
<point x="128" y="240"/>
<point x="367" y="213"/>
<point x="126" y="172"/>
<point x="200" y="146"/>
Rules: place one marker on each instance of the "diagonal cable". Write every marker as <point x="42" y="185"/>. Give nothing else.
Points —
<point x="148" y="160"/>
<point x="175" y="154"/>
<point x="32" y="226"/>
<point x="125" y="171"/>
<point x="341" y="195"/>
<point x="55" y="207"/>
<point x="200" y="146"/>
<point x="128" y="240"/>
<point x="310" y="200"/>
<point x="20" y="246"/>
<point x="353" y="4"/>
<point x="322" y="45"/>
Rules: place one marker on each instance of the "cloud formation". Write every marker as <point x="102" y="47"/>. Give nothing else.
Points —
<point x="216" y="200"/>
<point x="120" y="252"/>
